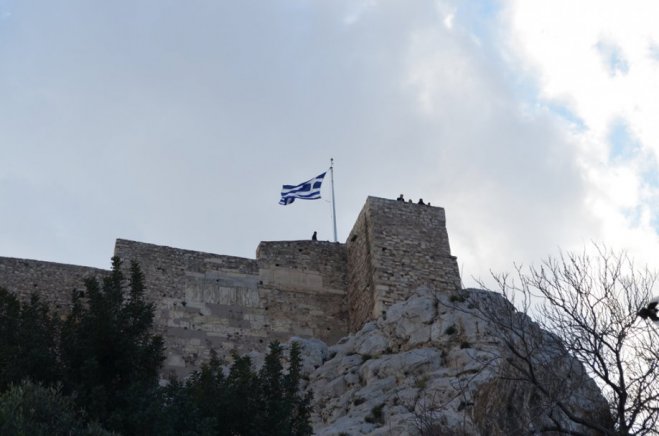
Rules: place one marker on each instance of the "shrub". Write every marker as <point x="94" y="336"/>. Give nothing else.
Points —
<point x="376" y="416"/>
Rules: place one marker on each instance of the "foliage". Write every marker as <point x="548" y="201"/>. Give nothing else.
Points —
<point x="110" y="357"/>
<point x="376" y="416"/>
<point x="31" y="409"/>
<point x="248" y="403"/>
<point x="27" y="341"/>
<point x="99" y="368"/>
<point x="589" y="305"/>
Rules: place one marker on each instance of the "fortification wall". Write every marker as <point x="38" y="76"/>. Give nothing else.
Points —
<point x="315" y="289"/>
<point x="400" y="246"/>
<point x="303" y="284"/>
<point x="53" y="282"/>
<point x="360" y="272"/>
<point x="227" y="303"/>
<point x="202" y="300"/>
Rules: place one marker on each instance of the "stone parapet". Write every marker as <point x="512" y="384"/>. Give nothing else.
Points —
<point x="52" y="282"/>
<point x="394" y="248"/>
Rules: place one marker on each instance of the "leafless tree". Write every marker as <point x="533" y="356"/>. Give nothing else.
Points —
<point x="585" y="305"/>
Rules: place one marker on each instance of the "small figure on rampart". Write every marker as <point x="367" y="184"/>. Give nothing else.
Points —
<point x="410" y="201"/>
<point x="314" y="237"/>
<point x="400" y="198"/>
<point x="421" y="201"/>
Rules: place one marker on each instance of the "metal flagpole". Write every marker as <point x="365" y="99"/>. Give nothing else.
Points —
<point x="333" y="201"/>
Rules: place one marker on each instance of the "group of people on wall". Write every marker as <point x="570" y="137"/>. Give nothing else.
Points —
<point x="314" y="237"/>
<point x="401" y="198"/>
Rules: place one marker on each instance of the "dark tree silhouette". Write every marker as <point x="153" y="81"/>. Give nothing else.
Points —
<point x="110" y="355"/>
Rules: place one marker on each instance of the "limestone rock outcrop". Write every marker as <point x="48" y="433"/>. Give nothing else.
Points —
<point x="431" y="365"/>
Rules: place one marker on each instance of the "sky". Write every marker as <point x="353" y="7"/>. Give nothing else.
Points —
<point x="533" y="123"/>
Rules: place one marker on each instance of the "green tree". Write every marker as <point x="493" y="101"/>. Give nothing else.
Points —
<point x="245" y="402"/>
<point x="99" y="369"/>
<point x="272" y="402"/>
<point x="27" y="341"/>
<point x="181" y="415"/>
<point x="110" y="355"/>
<point x="30" y="409"/>
<point x="283" y="409"/>
<point x="299" y="403"/>
<point x="242" y="398"/>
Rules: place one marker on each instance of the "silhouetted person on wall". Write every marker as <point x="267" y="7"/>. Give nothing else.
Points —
<point x="421" y="201"/>
<point x="314" y="237"/>
<point x="400" y="198"/>
<point x="409" y="201"/>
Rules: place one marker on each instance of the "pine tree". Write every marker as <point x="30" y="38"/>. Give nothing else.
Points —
<point x="242" y="399"/>
<point x="298" y="403"/>
<point x="27" y="341"/>
<point x="110" y="356"/>
<point x="272" y="410"/>
<point x="31" y="409"/>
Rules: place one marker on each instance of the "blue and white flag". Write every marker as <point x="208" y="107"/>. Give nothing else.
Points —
<point x="309" y="190"/>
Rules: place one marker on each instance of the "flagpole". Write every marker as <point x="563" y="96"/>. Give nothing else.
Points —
<point x="333" y="200"/>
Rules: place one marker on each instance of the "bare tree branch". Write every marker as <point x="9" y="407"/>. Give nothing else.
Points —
<point x="585" y="307"/>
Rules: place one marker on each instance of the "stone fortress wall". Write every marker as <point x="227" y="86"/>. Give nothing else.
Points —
<point x="314" y="289"/>
<point x="394" y="248"/>
<point x="227" y="303"/>
<point x="53" y="282"/>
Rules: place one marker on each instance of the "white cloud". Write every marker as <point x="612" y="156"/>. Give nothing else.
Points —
<point x="597" y="57"/>
<point x="177" y="125"/>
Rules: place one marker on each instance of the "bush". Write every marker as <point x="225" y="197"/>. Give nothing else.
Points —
<point x="27" y="342"/>
<point x="244" y="402"/>
<point x="99" y="369"/>
<point x="31" y="409"/>
<point x="376" y="416"/>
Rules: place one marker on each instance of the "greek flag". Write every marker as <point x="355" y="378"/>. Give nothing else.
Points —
<point x="309" y="190"/>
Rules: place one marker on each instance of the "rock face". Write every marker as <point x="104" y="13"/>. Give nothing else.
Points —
<point x="431" y="365"/>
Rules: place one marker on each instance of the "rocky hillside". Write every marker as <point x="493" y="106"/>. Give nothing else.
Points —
<point x="434" y="365"/>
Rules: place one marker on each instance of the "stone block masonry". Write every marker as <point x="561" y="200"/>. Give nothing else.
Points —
<point x="315" y="289"/>
<point x="394" y="248"/>
<point x="207" y="301"/>
<point x="53" y="282"/>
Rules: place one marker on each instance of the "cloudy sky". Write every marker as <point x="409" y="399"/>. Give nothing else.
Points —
<point x="534" y="123"/>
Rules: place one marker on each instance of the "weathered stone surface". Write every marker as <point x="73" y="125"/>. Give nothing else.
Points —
<point x="53" y="282"/>
<point x="395" y="247"/>
<point x="416" y="352"/>
<point x="373" y="342"/>
<point x="208" y="301"/>
<point x="451" y="380"/>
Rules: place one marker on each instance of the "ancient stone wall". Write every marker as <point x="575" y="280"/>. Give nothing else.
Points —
<point x="52" y="282"/>
<point x="303" y="284"/>
<point x="204" y="300"/>
<point x="400" y="246"/>
<point x="360" y="272"/>
<point x="315" y="289"/>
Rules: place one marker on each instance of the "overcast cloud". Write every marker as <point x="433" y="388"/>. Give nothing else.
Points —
<point x="176" y="123"/>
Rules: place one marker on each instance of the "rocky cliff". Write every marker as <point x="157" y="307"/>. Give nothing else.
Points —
<point x="434" y="365"/>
